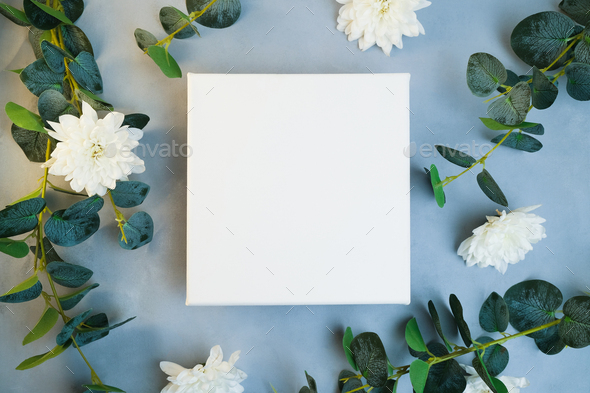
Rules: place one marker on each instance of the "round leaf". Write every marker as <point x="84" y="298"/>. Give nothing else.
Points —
<point x="36" y="36"/>
<point x="455" y="156"/>
<point x="552" y="344"/>
<point x="68" y="275"/>
<point x="532" y="303"/>
<point x="173" y="19"/>
<point x="221" y="14"/>
<point x="136" y="120"/>
<point x="75" y="40"/>
<point x="414" y="337"/>
<point x="21" y="217"/>
<point x="85" y="70"/>
<point x="33" y="143"/>
<point x="70" y="232"/>
<point x="54" y="56"/>
<point x="130" y="193"/>
<point x="511" y="80"/>
<point x="139" y="231"/>
<point x="73" y="8"/>
<point x="28" y="290"/>
<point x="579" y="10"/>
<point x="38" y="17"/>
<point x="370" y="357"/>
<point x="444" y="377"/>
<point x="578" y="81"/>
<point x="144" y="39"/>
<point x="574" y="328"/>
<point x="512" y="108"/>
<point x="493" y="315"/>
<point x="38" y="77"/>
<point x="484" y="74"/>
<point x="16" y="249"/>
<point x="419" y="375"/>
<point x="520" y="141"/>
<point x="52" y="104"/>
<point x="489" y="187"/>
<point x="495" y="358"/>
<point x="544" y="92"/>
<point x="165" y="61"/>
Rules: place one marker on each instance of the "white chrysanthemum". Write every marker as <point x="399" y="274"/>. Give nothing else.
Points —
<point x="216" y="376"/>
<point x="476" y="385"/>
<point x="381" y="22"/>
<point x="503" y="239"/>
<point x="94" y="153"/>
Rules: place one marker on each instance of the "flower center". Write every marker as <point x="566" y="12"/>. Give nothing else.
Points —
<point x="385" y="6"/>
<point x="97" y="151"/>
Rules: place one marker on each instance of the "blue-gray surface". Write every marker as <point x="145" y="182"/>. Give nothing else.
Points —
<point x="277" y="345"/>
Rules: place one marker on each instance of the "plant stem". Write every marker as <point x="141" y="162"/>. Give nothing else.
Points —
<point x="120" y="218"/>
<point x="193" y="16"/>
<point x="574" y="41"/>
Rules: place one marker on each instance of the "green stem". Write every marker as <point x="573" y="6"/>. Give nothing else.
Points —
<point x="120" y="218"/>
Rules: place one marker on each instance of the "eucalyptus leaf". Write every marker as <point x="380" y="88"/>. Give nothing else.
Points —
<point x="144" y="39"/>
<point x="493" y="315"/>
<point x="221" y="14"/>
<point x="76" y="224"/>
<point x="352" y="384"/>
<point x="533" y="303"/>
<point x="24" y="118"/>
<point x="68" y="275"/>
<point x="27" y="290"/>
<point x="43" y="326"/>
<point x="457" y="310"/>
<point x="165" y="61"/>
<point x="519" y="141"/>
<point x="70" y="326"/>
<point x="437" y="187"/>
<point x="173" y="19"/>
<point x="485" y="73"/>
<point x="489" y="187"/>
<point x="579" y="10"/>
<point x="86" y="336"/>
<point x="52" y="104"/>
<point x="443" y="377"/>
<point x="346" y="341"/>
<point x="75" y="40"/>
<point x="419" y="375"/>
<point x="35" y="37"/>
<point x="53" y="12"/>
<point x="552" y="344"/>
<point x="136" y="120"/>
<point x="574" y="328"/>
<point x="139" y="231"/>
<point x="369" y="356"/>
<point x="73" y="9"/>
<point x="54" y="56"/>
<point x="311" y="383"/>
<point x="70" y="301"/>
<point x="536" y="130"/>
<point x="455" y="156"/>
<point x="511" y="80"/>
<point x="103" y="388"/>
<point x="494" y="125"/>
<point x="38" y="77"/>
<point x="540" y="38"/>
<point x="40" y="359"/>
<point x="582" y="49"/>
<point x="93" y="100"/>
<point x="130" y="193"/>
<point x="578" y="81"/>
<point x="14" y="248"/>
<point x="414" y="337"/>
<point x="437" y="324"/>
<point x="21" y="217"/>
<point x="50" y="253"/>
<point x="495" y="385"/>
<point x="512" y="108"/>
<point x="85" y="70"/>
<point x="495" y="358"/>
<point x="38" y="16"/>
<point x="14" y="15"/>
<point x="544" y="92"/>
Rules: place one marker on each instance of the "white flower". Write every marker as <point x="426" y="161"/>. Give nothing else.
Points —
<point x="381" y="22"/>
<point x="503" y="239"/>
<point x="216" y="376"/>
<point x="476" y="385"/>
<point x="94" y="153"/>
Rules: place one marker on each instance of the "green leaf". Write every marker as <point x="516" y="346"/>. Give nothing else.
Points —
<point x="144" y="39"/>
<point x="346" y="341"/>
<point x="75" y="40"/>
<point x="495" y="385"/>
<point x="494" y="125"/>
<point x="24" y="118"/>
<point x="455" y="156"/>
<point x="437" y="324"/>
<point x="54" y="57"/>
<point x="444" y="377"/>
<point x="52" y="104"/>
<point x="439" y="193"/>
<point x="103" y="388"/>
<point x="27" y="290"/>
<point x="520" y="141"/>
<point x="419" y="375"/>
<point x="95" y="102"/>
<point x="485" y="73"/>
<point x="540" y="38"/>
<point x="69" y="275"/>
<point x="70" y="301"/>
<point x="139" y="231"/>
<point x="173" y="19"/>
<point x="70" y="326"/>
<point x="76" y="224"/>
<point x="39" y="359"/>
<point x="38" y="77"/>
<point x="493" y="315"/>
<point x="532" y="303"/>
<point x="222" y="14"/>
<point x="544" y="92"/>
<point x="457" y="310"/>
<point x="53" y="12"/>
<point x="50" y="253"/>
<point x="165" y="61"/>
<point x="512" y="80"/>
<point x="85" y="70"/>
<point x="136" y="120"/>
<point x="38" y="17"/>
<point x="574" y="328"/>
<point x="489" y="187"/>
<point x="73" y="8"/>
<point x="35" y="37"/>
<point x="552" y="344"/>
<point x="512" y="108"/>
<point x="14" y="15"/>
<point x="414" y="337"/>
<point x="369" y="356"/>
<point x="578" y="81"/>
<point x="579" y="10"/>
<point x="21" y="217"/>
<point x="130" y="193"/>
<point x="582" y="49"/>
<point x="352" y="384"/>
<point x="311" y="383"/>
<point x="14" y="248"/>
<point x="495" y="358"/>
<point x="44" y="325"/>
<point x="536" y="130"/>
<point x="100" y="329"/>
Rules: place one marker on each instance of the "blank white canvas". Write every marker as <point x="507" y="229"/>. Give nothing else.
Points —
<point x="298" y="189"/>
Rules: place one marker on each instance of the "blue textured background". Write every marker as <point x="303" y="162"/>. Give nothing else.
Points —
<point x="149" y="282"/>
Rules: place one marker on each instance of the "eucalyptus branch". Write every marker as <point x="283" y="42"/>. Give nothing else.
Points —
<point x="119" y="217"/>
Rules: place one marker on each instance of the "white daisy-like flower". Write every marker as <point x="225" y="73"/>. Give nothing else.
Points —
<point x="381" y="22"/>
<point x="504" y="239"/>
<point x="476" y="385"/>
<point x="94" y="153"/>
<point x="216" y="376"/>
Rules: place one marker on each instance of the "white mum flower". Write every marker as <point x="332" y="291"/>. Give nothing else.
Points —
<point x="216" y="376"/>
<point x="476" y="385"/>
<point x="94" y="153"/>
<point x="381" y="22"/>
<point x="504" y="239"/>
